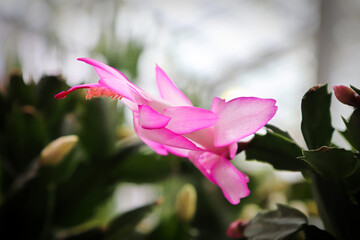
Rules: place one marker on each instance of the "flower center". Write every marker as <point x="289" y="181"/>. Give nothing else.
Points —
<point x="101" y="92"/>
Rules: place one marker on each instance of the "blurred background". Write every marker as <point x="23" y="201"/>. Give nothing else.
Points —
<point x="264" y="48"/>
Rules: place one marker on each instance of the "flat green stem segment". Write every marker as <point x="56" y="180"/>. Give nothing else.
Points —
<point x="316" y="120"/>
<point x="279" y="151"/>
<point x="332" y="163"/>
<point x="276" y="224"/>
<point x="352" y="132"/>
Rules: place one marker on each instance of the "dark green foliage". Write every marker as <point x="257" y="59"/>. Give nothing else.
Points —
<point x="334" y="172"/>
<point x="332" y="163"/>
<point x="355" y="89"/>
<point x="276" y="149"/>
<point x="283" y="223"/>
<point x="316" y="120"/>
<point x="276" y="224"/>
<point x="352" y="131"/>
<point x="69" y="200"/>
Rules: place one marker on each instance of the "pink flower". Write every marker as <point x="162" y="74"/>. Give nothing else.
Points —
<point x="171" y="124"/>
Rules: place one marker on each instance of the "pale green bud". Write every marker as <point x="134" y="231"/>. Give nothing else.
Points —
<point x="186" y="203"/>
<point x="55" y="151"/>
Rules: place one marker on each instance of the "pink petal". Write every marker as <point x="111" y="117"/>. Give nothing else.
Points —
<point x="150" y="119"/>
<point x="115" y="80"/>
<point x="169" y="91"/>
<point x="164" y="136"/>
<point x="64" y="93"/>
<point x="232" y="182"/>
<point x="130" y="104"/>
<point x="233" y="149"/>
<point x="189" y="119"/>
<point x="178" y="151"/>
<point x="119" y="87"/>
<point x="204" y="161"/>
<point x="157" y="147"/>
<point x="242" y="117"/>
<point x="217" y="104"/>
<point x="105" y="71"/>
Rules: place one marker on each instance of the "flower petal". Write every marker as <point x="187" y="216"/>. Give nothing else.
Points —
<point x="150" y="119"/>
<point x="189" y="119"/>
<point x="169" y="91"/>
<point x="119" y="87"/>
<point x="105" y="71"/>
<point x="164" y="136"/>
<point x="233" y="149"/>
<point x="204" y="161"/>
<point x="178" y="151"/>
<point x="217" y="103"/>
<point x="157" y="147"/>
<point x="242" y="117"/>
<point x="232" y="182"/>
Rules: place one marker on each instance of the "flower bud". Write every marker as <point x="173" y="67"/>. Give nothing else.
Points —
<point x="237" y="229"/>
<point x="186" y="203"/>
<point x="347" y="96"/>
<point x="55" y="151"/>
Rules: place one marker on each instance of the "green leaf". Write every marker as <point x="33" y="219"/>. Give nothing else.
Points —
<point x="278" y="131"/>
<point x="276" y="224"/>
<point x="337" y="210"/>
<point x="316" y="120"/>
<point x="355" y="89"/>
<point x="277" y="150"/>
<point x="332" y="163"/>
<point x="352" y="183"/>
<point x="352" y="132"/>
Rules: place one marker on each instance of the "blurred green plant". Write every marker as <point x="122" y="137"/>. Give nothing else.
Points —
<point x="61" y="163"/>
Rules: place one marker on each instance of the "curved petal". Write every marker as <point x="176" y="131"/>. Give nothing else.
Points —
<point x="242" y="117"/>
<point x="232" y="182"/>
<point x="63" y="94"/>
<point x="233" y="149"/>
<point x="217" y="103"/>
<point x="164" y="136"/>
<point x="119" y="87"/>
<point x="169" y="91"/>
<point x="178" y="151"/>
<point x="105" y="71"/>
<point x="115" y="80"/>
<point x="150" y="119"/>
<point x="204" y="161"/>
<point x="157" y="147"/>
<point x="189" y="119"/>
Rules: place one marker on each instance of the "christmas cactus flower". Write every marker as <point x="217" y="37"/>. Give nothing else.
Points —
<point x="171" y="124"/>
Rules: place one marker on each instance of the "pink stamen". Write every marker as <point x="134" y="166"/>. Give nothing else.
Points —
<point x="101" y="92"/>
